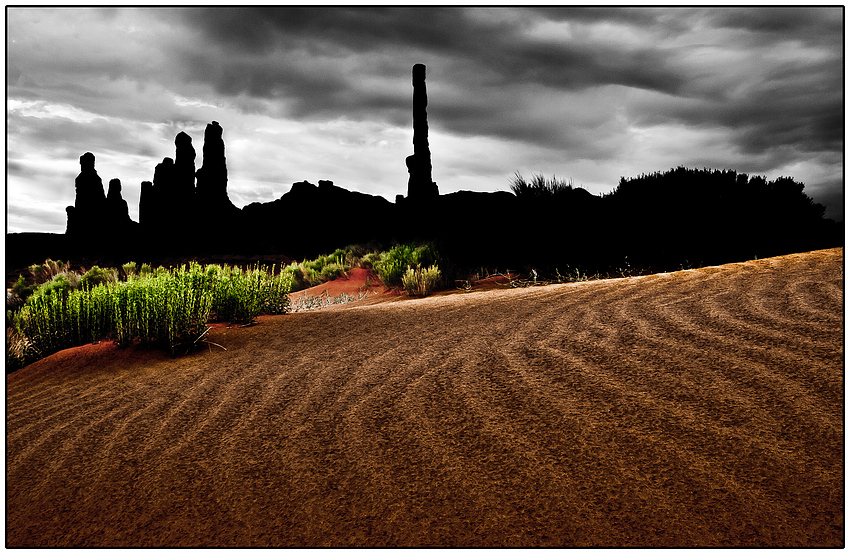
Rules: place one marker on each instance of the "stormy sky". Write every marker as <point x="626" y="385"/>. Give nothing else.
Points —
<point x="584" y="94"/>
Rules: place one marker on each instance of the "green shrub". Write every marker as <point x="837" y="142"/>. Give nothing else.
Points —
<point x="22" y="289"/>
<point x="167" y="309"/>
<point x="395" y="262"/>
<point x="353" y="254"/>
<point x="421" y="282"/>
<point x="314" y="265"/>
<point x="47" y="271"/>
<point x="237" y="297"/>
<point x="302" y="277"/>
<point x="129" y="270"/>
<point x="96" y="276"/>
<point x="18" y="295"/>
<point x="333" y="271"/>
<point x="274" y="293"/>
<point x="60" y="285"/>
<point x="369" y="260"/>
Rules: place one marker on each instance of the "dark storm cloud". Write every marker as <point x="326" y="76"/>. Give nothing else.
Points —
<point x="614" y="91"/>
<point x="312" y="59"/>
<point x="797" y="104"/>
<point x="817" y="25"/>
<point x="495" y="47"/>
<point x="335" y="30"/>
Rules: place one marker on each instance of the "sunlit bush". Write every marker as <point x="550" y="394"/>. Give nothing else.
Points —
<point x="163" y="308"/>
<point x="421" y="281"/>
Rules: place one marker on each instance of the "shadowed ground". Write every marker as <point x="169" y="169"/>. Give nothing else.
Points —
<point x="696" y="408"/>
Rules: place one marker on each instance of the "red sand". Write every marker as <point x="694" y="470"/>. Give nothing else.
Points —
<point x="353" y="282"/>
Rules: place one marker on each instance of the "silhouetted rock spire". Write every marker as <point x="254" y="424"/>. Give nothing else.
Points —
<point x="85" y="216"/>
<point x="117" y="211"/>
<point x="88" y="184"/>
<point x="159" y="206"/>
<point x="169" y="202"/>
<point x="184" y="171"/>
<point x="147" y="206"/>
<point x="420" y="186"/>
<point x="212" y="178"/>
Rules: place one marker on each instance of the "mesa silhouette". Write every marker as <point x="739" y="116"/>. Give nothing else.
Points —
<point x="681" y="217"/>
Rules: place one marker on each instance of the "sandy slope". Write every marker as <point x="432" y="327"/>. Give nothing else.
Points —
<point x="697" y="408"/>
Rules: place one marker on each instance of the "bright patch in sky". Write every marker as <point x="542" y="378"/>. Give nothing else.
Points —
<point x="43" y="109"/>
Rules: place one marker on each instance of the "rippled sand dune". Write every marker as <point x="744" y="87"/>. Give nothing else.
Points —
<point x="696" y="408"/>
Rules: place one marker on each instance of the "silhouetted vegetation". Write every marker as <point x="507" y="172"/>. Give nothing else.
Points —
<point x="539" y="186"/>
<point x="712" y="216"/>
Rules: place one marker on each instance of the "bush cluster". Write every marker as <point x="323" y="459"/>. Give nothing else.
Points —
<point x="162" y="308"/>
<point x="390" y="265"/>
<point x="170" y="308"/>
<point x="394" y="263"/>
<point x="310" y="273"/>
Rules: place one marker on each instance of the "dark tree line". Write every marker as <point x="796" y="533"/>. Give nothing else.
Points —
<point x="713" y="216"/>
<point x="662" y="221"/>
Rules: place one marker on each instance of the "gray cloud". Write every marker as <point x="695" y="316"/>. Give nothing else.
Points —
<point x="266" y="44"/>
<point x="308" y="58"/>
<point x="818" y="25"/>
<point x="570" y="84"/>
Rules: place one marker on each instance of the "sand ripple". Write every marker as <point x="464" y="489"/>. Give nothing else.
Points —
<point x="695" y="408"/>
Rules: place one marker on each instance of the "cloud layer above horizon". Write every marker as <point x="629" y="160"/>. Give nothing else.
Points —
<point x="587" y="94"/>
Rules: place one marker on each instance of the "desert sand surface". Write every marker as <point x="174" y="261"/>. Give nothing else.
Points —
<point x="696" y="408"/>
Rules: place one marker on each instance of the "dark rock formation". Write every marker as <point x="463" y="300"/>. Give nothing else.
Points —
<point x="182" y="193"/>
<point x="147" y="206"/>
<point x="85" y="216"/>
<point x="163" y="176"/>
<point x="170" y="199"/>
<point x="88" y="183"/>
<point x="213" y="202"/>
<point x="184" y="167"/>
<point x="98" y="222"/>
<point x="420" y="186"/>
<point x="310" y="220"/>
<point x="161" y="207"/>
<point x="117" y="211"/>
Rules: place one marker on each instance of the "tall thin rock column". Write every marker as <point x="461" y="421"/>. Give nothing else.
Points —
<point x="420" y="186"/>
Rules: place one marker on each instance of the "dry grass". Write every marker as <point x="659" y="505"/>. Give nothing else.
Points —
<point x="696" y="408"/>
